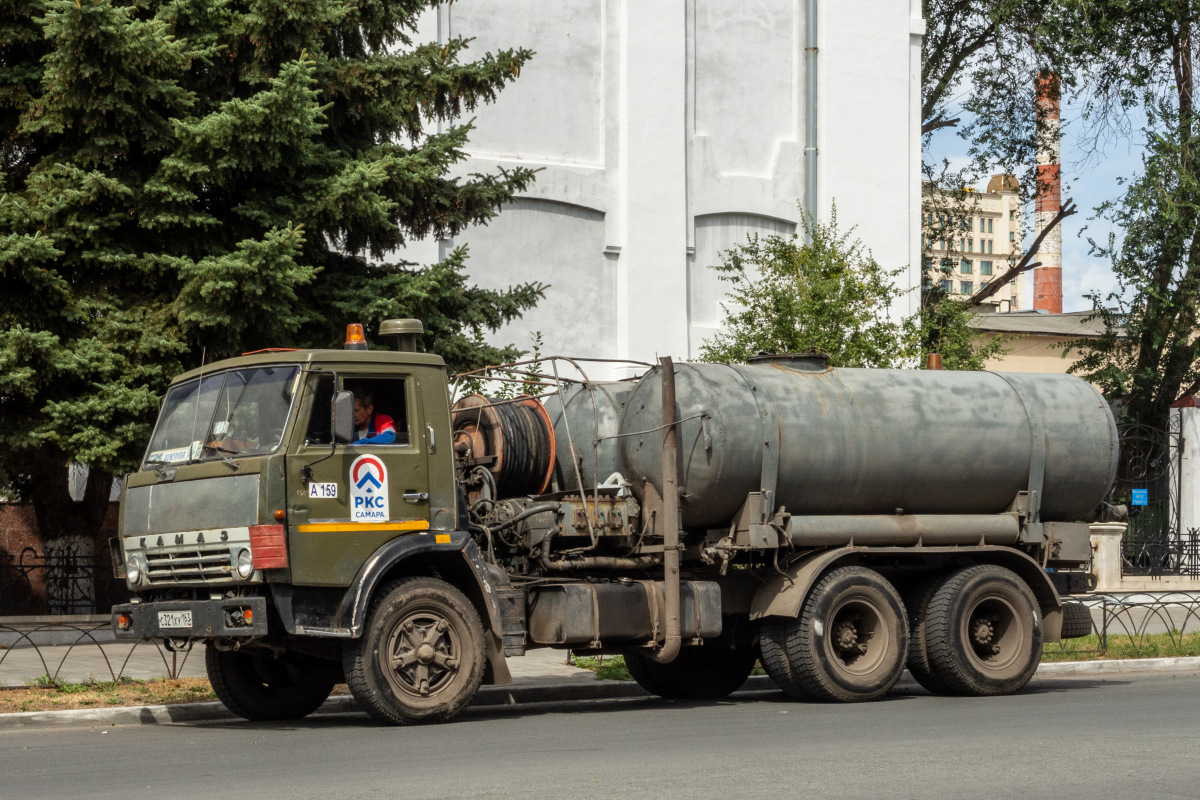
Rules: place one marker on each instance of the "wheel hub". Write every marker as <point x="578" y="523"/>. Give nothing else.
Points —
<point x="845" y="636"/>
<point x="422" y="654"/>
<point x="984" y="631"/>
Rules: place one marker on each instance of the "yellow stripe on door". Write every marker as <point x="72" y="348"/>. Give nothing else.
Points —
<point x="351" y="527"/>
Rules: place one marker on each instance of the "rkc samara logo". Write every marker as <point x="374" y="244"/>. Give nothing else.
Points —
<point x="368" y="490"/>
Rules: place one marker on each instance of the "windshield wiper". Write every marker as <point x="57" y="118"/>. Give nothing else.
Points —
<point x="223" y="450"/>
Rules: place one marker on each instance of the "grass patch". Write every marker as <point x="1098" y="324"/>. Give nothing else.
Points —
<point x="1121" y="646"/>
<point x="46" y="695"/>
<point x="607" y="668"/>
<point x="612" y="668"/>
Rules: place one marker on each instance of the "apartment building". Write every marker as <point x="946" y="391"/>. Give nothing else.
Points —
<point x="970" y="238"/>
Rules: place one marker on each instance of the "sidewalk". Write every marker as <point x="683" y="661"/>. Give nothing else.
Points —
<point x="144" y="660"/>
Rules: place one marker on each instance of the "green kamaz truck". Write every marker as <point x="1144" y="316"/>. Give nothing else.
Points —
<point x="315" y="517"/>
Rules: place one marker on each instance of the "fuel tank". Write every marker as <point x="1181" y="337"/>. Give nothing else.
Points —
<point x="872" y="441"/>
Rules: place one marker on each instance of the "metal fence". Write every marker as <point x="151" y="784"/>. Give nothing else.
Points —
<point x="66" y="578"/>
<point x="1130" y="618"/>
<point x="76" y="642"/>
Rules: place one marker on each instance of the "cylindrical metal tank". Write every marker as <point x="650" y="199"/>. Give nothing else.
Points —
<point x="873" y="441"/>
<point x="593" y="411"/>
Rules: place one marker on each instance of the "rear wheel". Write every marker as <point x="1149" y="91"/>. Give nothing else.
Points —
<point x="421" y="655"/>
<point x="983" y="632"/>
<point x="916" y="603"/>
<point x="848" y="644"/>
<point x="706" y="672"/>
<point x="262" y="687"/>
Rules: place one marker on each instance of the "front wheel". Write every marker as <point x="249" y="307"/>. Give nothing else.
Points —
<point x="264" y="687"/>
<point x="983" y="632"/>
<point x="421" y="655"/>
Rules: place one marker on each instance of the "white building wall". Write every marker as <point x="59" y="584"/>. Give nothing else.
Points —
<point x="668" y="130"/>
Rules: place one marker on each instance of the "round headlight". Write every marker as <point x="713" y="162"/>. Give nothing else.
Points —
<point x="134" y="570"/>
<point x="245" y="567"/>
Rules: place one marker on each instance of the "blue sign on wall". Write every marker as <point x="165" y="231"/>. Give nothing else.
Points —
<point x="1141" y="497"/>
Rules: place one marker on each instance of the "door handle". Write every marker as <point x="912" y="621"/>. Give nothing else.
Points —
<point x="415" y="497"/>
<point x="432" y="441"/>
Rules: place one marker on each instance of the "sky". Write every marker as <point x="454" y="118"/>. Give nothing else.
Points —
<point x="1089" y="182"/>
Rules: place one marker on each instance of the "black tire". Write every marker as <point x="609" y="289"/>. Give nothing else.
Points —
<point x="421" y="656"/>
<point x="1077" y="620"/>
<point x="706" y="672"/>
<point x="848" y="644"/>
<point x="260" y="687"/>
<point x="916" y="604"/>
<point x="984" y="632"/>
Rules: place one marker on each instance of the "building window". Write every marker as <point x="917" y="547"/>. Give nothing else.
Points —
<point x="926" y="262"/>
<point x="966" y="287"/>
<point x="966" y="266"/>
<point x="962" y="244"/>
<point x="1012" y="214"/>
<point x="970" y="245"/>
<point x="983" y="285"/>
<point x="989" y="245"/>
<point x="946" y="286"/>
<point x="985" y="268"/>
<point x="989" y="225"/>
<point x="1011" y="236"/>
<point x="947" y="265"/>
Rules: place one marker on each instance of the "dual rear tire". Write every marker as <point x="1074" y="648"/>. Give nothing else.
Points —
<point x="975" y="631"/>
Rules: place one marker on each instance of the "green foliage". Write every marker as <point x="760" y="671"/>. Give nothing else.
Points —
<point x="944" y="327"/>
<point x="179" y="176"/>
<point x="828" y="295"/>
<point x="1149" y="353"/>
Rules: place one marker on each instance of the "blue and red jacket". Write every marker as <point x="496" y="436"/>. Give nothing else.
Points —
<point x="380" y="430"/>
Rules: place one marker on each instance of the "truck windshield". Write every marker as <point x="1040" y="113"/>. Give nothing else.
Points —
<point x="240" y="412"/>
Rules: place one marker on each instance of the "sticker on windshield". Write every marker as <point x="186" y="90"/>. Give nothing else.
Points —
<point x="171" y="456"/>
<point x="368" y="490"/>
<point x="323" y="491"/>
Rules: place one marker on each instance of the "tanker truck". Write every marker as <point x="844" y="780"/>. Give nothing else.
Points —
<point x="836" y="525"/>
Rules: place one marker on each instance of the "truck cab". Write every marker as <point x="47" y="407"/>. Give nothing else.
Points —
<point x="255" y="513"/>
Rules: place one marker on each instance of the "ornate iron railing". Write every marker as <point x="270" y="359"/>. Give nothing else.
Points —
<point x="1148" y="482"/>
<point x="67" y="578"/>
<point x="1132" y="617"/>
<point x="80" y="636"/>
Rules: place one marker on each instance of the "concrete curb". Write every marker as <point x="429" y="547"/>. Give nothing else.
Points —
<point x="521" y="694"/>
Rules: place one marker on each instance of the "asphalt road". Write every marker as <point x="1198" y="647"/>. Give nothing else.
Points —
<point x="1061" y="738"/>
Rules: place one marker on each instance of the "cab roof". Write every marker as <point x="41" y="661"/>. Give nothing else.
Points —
<point x="326" y="358"/>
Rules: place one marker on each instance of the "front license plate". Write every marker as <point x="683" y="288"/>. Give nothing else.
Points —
<point x="175" y="619"/>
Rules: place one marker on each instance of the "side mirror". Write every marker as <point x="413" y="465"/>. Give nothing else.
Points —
<point x="342" y="421"/>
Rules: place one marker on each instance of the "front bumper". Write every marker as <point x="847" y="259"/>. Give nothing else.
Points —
<point x="211" y="619"/>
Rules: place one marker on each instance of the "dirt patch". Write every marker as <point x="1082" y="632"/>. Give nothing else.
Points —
<point x="111" y="694"/>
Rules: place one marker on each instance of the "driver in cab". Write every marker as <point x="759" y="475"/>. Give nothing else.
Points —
<point x="369" y="427"/>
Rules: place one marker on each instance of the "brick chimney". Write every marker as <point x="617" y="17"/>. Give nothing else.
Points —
<point x="1047" y="279"/>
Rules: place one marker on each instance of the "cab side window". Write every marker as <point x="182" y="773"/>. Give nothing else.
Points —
<point x="381" y="407"/>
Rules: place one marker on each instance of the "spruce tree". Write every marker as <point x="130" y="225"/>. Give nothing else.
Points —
<point x="182" y="177"/>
